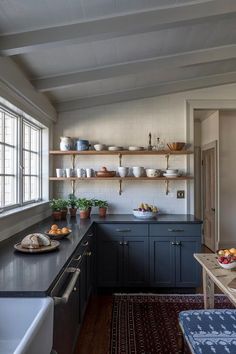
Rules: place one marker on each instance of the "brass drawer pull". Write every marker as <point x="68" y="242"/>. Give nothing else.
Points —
<point x="88" y="254"/>
<point x="90" y="235"/>
<point x="85" y="244"/>
<point x="175" y="230"/>
<point x="123" y="230"/>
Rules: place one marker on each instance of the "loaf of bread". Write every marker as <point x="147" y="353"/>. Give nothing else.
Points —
<point x="35" y="241"/>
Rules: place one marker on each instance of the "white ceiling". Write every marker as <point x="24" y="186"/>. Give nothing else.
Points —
<point x="82" y="53"/>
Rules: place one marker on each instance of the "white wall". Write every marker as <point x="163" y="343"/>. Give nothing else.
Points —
<point x="227" y="179"/>
<point x="127" y="124"/>
<point x="210" y="129"/>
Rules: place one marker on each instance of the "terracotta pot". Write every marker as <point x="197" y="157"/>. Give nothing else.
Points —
<point x="56" y="215"/>
<point x="73" y="211"/>
<point x="64" y="214"/>
<point x="89" y="211"/>
<point x="102" y="212"/>
<point x="84" y="214"/>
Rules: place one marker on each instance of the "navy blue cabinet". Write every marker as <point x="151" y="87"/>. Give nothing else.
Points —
<point x="109" y="260"/>
<point x="122" y="255"/>
<point x="135" y="253"/>
<point x="162" y="261"/>
<point x="171" y="255"/>
<point x="187" y="268"/>
<point x="157" y="255"/>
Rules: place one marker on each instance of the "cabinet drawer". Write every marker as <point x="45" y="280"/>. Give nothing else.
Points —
<point x="175" y="230"/>
<point x="122" y="229"/>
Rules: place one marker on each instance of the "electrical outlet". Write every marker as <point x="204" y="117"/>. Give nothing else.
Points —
<point x="180" y="194"/>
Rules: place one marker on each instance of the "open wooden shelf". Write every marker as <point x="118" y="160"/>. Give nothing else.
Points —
<point x="121" y="152"/>
<point x="181" y="178"/>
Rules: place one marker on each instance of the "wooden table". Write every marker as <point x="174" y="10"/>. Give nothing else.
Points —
<point x="214" y="274"/>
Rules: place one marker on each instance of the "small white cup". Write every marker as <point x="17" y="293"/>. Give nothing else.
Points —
<point x="80" y="172"/>
<point x="68" y="172"/>
<point x="60" y="172"/>
<point x="89" y="172"/>
<point x="137" y="171"/>
<point x="123" y="171"/>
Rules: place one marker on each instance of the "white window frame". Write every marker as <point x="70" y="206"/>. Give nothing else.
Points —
<point x="19" y="161"/>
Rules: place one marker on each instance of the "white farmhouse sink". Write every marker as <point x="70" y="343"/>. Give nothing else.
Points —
<point x="26" y="325"/>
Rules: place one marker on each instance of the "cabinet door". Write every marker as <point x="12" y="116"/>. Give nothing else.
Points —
<point x="135" y="270"/>
<point x="109" y="261"/>
<point x="162" y="261"/>
<point x="187" y="268"/>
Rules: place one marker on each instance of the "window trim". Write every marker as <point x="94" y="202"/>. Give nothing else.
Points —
<point x="20" y="203"/>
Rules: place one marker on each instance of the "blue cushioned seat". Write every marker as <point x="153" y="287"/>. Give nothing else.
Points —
<point x="209" y="331"/>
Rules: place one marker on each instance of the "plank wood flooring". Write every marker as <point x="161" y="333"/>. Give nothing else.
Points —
<point x="94" y="337"/>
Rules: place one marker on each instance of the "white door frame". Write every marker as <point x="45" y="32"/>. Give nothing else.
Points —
<point x="192" y="104"/>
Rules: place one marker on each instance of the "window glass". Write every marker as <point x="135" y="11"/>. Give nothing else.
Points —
<point x="20" y="160"/>
<point x="31" y="157"/>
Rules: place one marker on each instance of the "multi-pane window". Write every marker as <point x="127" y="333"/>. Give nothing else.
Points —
<point x="8" y="158"/>
<point x="20" y="160"/>
<point x="31" y="162"/>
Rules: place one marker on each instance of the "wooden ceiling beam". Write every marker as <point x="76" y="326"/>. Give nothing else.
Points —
<point x="147" y="92"/>
<point x="117" y="26"/>
<point x="133" y="67"/>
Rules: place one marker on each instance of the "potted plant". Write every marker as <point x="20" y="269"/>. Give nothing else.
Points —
<point x="102" y="207"/>
<point x="72" y="204"/>
<point x="64" y="208"/>
<point x="83" y="205"/>
<point x="55" y="205"/>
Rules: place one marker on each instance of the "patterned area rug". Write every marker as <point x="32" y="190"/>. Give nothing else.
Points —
<point x="148" y="324"/>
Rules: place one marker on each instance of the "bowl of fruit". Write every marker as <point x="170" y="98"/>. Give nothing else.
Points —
<point x="56" y="233"/>
<point x="227" y="258"/>
<point x="145" y="211"/>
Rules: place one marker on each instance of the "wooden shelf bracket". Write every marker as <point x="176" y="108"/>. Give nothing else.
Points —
<point x="120" y="186"/>
<point x="120" y="160"/>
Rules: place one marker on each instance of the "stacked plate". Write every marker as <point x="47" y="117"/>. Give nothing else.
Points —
<point x="171" y="173"/>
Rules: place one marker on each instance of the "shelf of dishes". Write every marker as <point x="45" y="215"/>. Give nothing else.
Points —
<point x="121" y="152"/>
<point x="117" y="178"/>
<point x="122" y="172"/>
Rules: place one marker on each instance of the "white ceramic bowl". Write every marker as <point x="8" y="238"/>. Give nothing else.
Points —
<point x="144" y="214"/>
<point x="172" y="171"/>
<point x="152" y="172"/>
<point x="135" y="148"/>
<point x="115" y="148"/>
<point x="99" y="147"/>
<point x="227" y="266"/>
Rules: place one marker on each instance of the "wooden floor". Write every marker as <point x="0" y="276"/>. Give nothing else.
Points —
<point x="94" y="336"/>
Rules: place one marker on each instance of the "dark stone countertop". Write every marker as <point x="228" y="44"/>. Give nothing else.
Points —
<point x="160" y="219"/>
<point x="34" y="274"/>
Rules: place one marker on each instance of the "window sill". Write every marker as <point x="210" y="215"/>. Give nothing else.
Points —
<point x="21" y="209"/>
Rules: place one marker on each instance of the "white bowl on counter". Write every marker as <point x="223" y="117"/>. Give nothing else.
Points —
<point x="227" y="266"/>
<point x="145" y="215"/>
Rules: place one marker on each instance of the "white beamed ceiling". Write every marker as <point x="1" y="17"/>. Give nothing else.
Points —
<point x="79" y="51"/>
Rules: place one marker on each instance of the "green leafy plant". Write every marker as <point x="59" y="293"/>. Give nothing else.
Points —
<point x="63" y="203"/>
<point x="72" y="201"/>
<point x="55" y="204"/>
<point x="83" y="203"/>
<point x="101" y="203"/>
